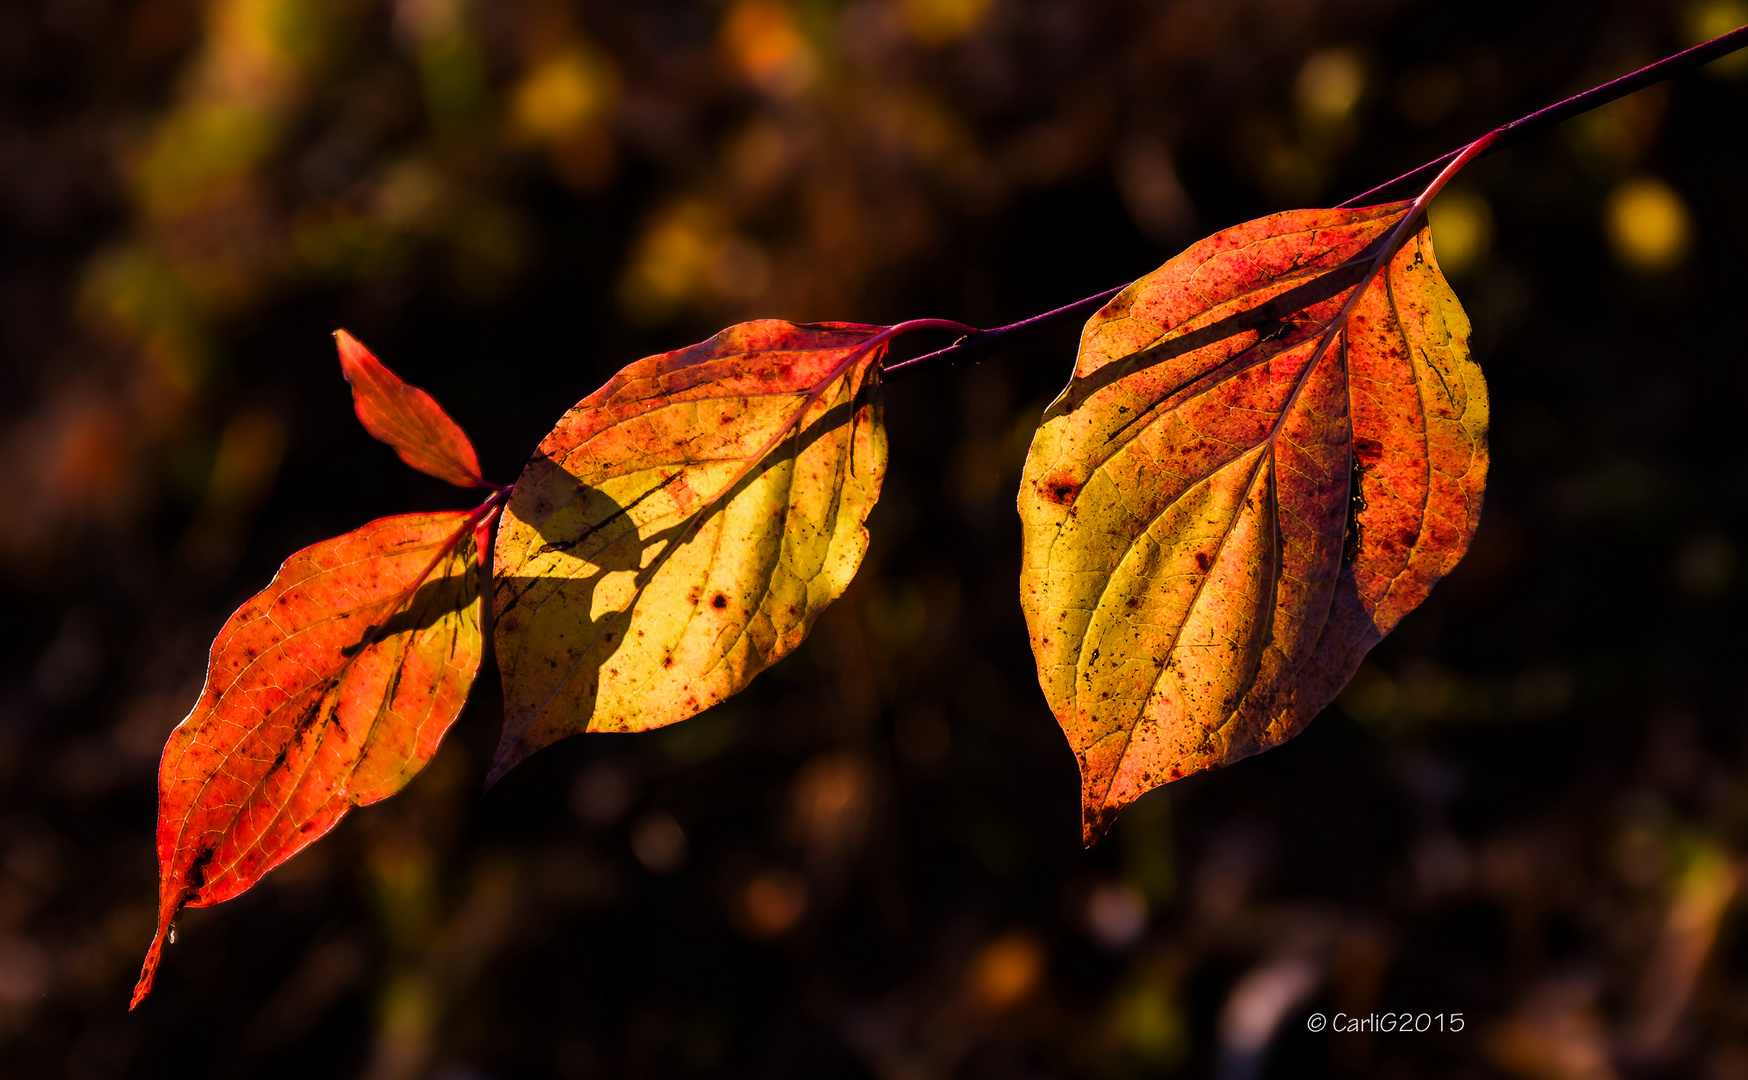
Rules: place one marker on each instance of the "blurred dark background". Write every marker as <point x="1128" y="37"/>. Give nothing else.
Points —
<point x="1530" y="808"/>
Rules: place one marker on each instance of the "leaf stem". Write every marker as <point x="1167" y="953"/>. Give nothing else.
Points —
<point x="495" y="502"/>
<point x="973" y="346"/>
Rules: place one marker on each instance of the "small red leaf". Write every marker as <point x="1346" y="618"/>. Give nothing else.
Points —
<point x="327" y="690"/>
<point x="407" y="418"/>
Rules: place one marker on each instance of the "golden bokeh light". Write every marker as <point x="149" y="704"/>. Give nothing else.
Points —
<point x="1329" y="86"/>
<point x="1647" y="225"/>
<point x="563" y="93"/>
<point x="1708" y="19"/>
<point x="1462" y="230"/>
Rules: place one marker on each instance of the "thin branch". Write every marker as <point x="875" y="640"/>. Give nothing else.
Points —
<point x="973" y="346"/>
<point x="1517" y="130"/>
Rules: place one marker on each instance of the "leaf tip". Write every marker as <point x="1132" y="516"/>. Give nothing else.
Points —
<point x="406" y="417"/>
<point x="150" y="967"/>
<point x="1095" y="822"/>
<point x="501" y="764"/>
<point x="352" y="351"/>
<point x="512" y="751"/>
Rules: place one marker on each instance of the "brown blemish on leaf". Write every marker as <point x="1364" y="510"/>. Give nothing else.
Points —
<point x="1060" y="489"/>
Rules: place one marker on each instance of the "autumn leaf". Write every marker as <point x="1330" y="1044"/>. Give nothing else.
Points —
<point x="407" y="418"/>
<point x="327" y="690"/>
<point x="1248" y="482"/>
<point x="682" y="527"/>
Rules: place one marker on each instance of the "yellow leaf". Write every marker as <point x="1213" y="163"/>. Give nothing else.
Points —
<point x="1252" y="477"/>
<point x="682" y="527"/>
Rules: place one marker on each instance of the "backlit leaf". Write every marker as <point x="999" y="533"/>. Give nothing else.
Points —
<point x="407" y="418"/>
<point x="1227" y="507"/>
<point x="327" y="690"/>
<point x="682" y="528"/>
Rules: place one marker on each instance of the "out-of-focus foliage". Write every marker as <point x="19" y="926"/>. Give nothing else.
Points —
<point x="1528" y="807"/>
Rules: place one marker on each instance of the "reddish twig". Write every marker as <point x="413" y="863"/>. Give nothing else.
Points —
<point x="973" y="346"/>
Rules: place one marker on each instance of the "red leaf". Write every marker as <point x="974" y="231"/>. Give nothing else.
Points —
<point x="327" y="690"/>
<point x="407" y="418"/>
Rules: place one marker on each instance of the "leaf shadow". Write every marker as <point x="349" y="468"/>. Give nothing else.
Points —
<point x="1267" y="316"/>
<point x="433" y="601"/>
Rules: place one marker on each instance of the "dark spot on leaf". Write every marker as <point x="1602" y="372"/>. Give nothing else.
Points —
<point x="1202" y="561"/>
<point x="1097" y="819"/>
<point x="1060" y="489"/>
<point x="1356" y="505"/>
<point x="196" y="876"/>
<point x="719" y="601"/>
<point x="313" y="713"/>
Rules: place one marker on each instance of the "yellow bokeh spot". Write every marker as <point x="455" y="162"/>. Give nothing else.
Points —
<point x="1647" y="225"/>
<point x="1330" y="85"/>
<point x="936" y="22"/>
<point x="562" y="94"/>
<point x="1462" y="230"/>
<point x="763" y="42"/>
<point x="669" y="264"/>
<point x="1708" y="19"/>
<point x="1151" y="1024"/>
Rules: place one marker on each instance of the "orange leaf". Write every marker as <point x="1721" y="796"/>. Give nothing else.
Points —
<point x="407" y="418"/>
<point x="327" y="690"/>
<point x="1247" y="483"/>
<point x="682" y="527"/>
